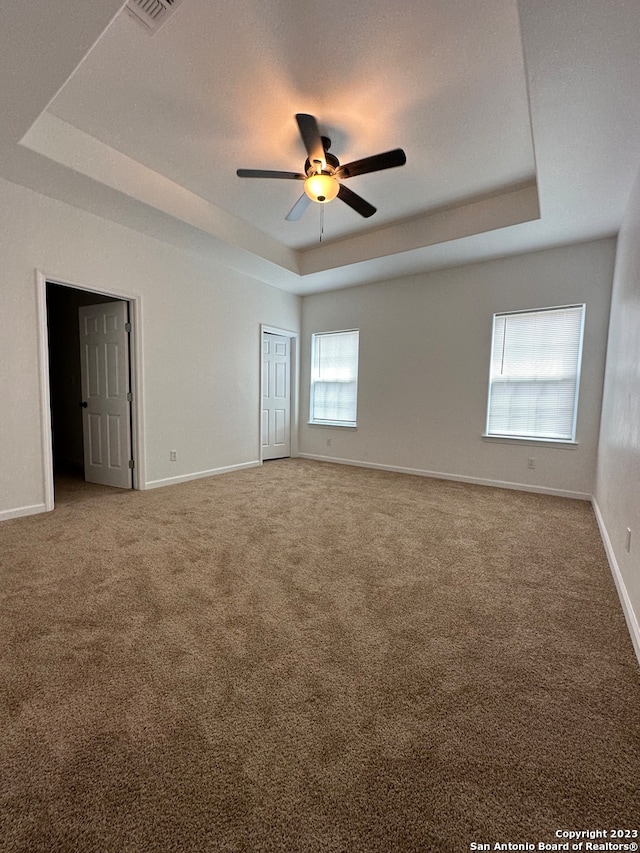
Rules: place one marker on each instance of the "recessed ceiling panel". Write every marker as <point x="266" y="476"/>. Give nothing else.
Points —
<point x="218" y="86"/>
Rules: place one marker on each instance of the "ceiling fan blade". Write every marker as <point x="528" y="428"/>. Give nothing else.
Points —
<point x="298" y="208"/>
<point x="264" y="173"/>
<point x="356" y="202"/>
<point x="386" y="160"/>
<point x="310" y="134"/>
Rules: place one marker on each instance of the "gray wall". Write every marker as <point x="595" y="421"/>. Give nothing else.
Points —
<point x="197" y="338"/>
<point x="424" y="367"/>
<point x="617" y="491"/>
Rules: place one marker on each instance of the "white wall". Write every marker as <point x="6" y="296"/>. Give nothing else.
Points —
<point x="424" y="362"/>
<point x="617" y="492"/>
<point x="200" y="339"/>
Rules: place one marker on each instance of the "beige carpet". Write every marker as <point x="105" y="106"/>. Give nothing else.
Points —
<point x="308" y="657"/>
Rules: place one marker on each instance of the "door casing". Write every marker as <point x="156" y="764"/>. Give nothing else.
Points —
<point x="137" y="373"/>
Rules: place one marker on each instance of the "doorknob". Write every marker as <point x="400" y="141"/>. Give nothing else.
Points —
<point x="84" y="404"/>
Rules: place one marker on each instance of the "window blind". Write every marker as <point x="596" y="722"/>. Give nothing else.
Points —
<point x="534" y="376"/>
<point x="334" y="378"/>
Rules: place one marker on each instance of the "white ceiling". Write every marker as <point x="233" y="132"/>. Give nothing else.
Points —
<point x="520" y="121"/>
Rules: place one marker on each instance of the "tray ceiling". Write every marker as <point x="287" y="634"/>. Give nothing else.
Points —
<point x="505" y="112"/>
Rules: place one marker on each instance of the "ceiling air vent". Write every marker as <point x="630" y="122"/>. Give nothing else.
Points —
<point x="152" y="13"/>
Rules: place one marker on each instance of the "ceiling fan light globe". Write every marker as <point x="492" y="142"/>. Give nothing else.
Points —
<point x="321" y="188"/>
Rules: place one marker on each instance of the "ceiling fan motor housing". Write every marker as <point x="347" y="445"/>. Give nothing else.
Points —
<point x="333" y="164"/>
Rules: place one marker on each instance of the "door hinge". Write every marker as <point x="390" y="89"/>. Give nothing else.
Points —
<point x="127" y="327"/>
<point x="132" y="464"/>
<point x="129" y="396"/>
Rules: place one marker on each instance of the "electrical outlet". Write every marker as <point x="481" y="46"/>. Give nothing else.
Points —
<point x="328" y="442"/>
<point x="173" y="456"/>
<point x="531" y="462"/>
<point x="627" y="543"/>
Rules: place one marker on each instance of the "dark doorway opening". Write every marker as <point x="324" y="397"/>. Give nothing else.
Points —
<point x="65" y="386"/>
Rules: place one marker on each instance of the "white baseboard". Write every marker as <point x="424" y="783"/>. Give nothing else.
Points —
<point x="21" y="511"/>
<point x="627" y="607"/>
<point x="185" y="478"/>
<point x="438" y="475"/>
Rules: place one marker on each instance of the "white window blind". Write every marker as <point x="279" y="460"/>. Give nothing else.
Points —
<point x="334" y="378"/>
<point x="535" y="373"/>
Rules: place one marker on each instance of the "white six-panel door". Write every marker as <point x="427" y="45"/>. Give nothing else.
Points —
<point x="106" y="414"/>
<point x="276" y="396"/>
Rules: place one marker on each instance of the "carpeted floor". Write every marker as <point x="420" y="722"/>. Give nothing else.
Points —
<point x="311" y="658"/>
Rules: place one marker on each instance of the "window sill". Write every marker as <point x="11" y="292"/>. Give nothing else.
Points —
<point x="331" y="425"/>
<point x="531" y="442"/>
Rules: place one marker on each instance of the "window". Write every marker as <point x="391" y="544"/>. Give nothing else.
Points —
<point x="535" y="373"/>
<point x="334" y="378"/>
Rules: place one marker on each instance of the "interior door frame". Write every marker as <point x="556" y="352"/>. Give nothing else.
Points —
<point x="135" y="367"/>
<point x="294" y="361"/>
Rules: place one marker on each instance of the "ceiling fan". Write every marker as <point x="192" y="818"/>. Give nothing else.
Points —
<point x="323" y="172"/>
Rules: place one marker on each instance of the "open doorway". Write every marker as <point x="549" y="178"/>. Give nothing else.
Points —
<point x="86" y="446"/>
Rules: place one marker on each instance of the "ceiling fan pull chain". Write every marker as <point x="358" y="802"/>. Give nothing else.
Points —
<point x="321" y="222"/>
